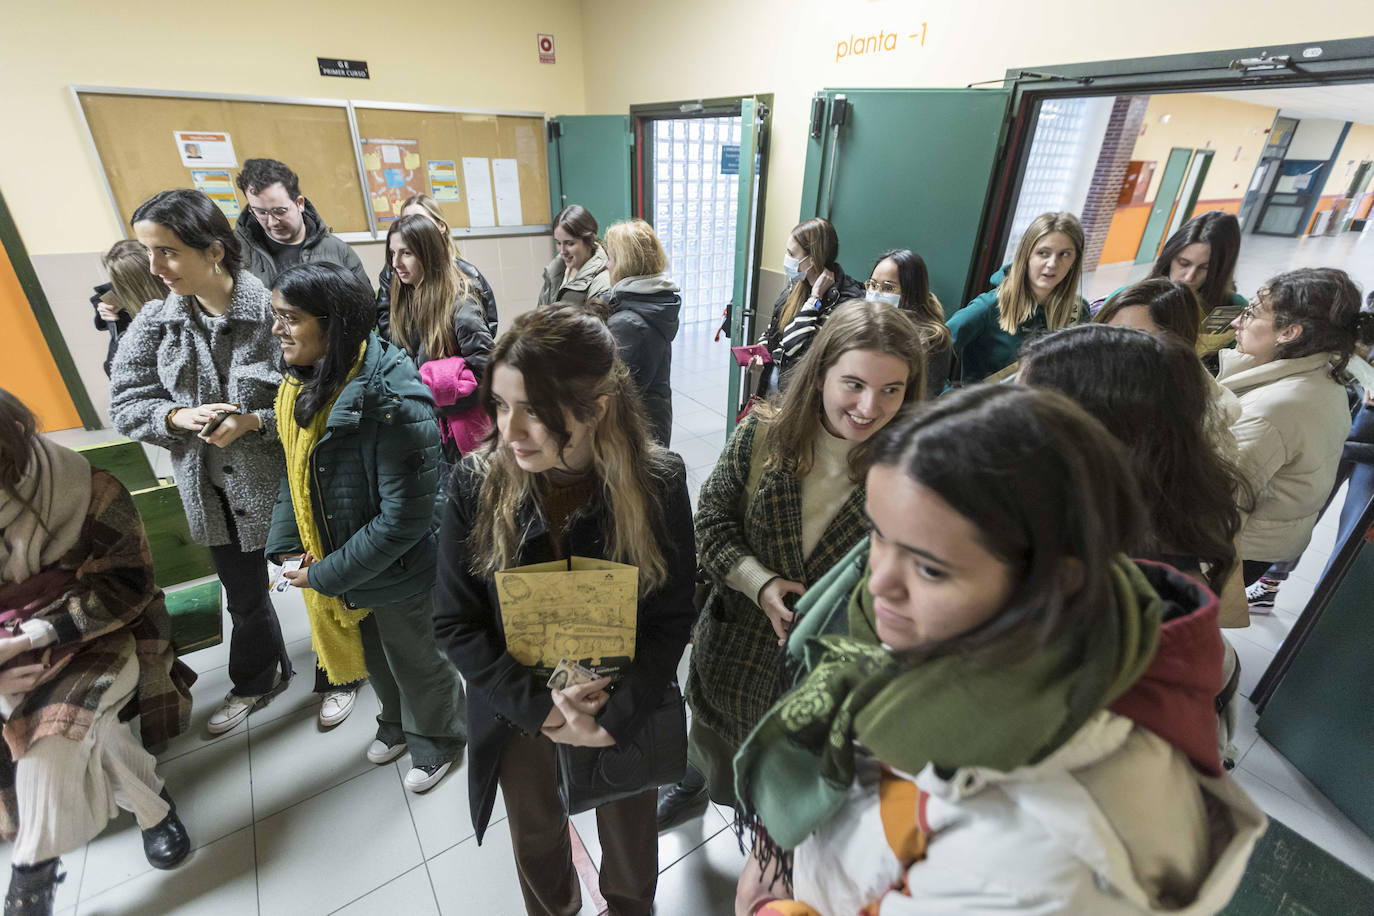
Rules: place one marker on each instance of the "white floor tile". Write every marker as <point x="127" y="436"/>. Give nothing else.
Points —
<point x="294" y="759"/>
<point x="699" y="453"/>
<point x="471" y="879"/>
<point x="442" y="815"/>
<point x="701" y="422"/>
<point x="1254" y="659"/>
<point x="1343" y="841"/>
<point x="408" y="895"/>
<point x="206" y="695"/>
<point x="212" y="789"/>
<point x="703" y="882"/>
<point x="1247" y="732"/>
<point x="73" y="863"/>
<point x="217" y="880"/>
<point x="326" y="852"/>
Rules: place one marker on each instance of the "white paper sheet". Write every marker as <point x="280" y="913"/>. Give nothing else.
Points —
<point x="477" y="177"/>
<point x="201" y="149"/>
<point x="506" y="173"/>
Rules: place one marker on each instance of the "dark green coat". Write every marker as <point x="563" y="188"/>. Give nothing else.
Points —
<point x="374" y="476"/>
<point x="979" y="341"/>
<point x="733" y="675"/>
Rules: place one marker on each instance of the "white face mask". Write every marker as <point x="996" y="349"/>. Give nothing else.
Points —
<point x="892" y="299"/>
<point x="792" y="267"/>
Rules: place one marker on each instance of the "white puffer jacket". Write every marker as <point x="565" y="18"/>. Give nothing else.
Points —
<point x="1115" y="822"/>
<point x="1293" y="424"/>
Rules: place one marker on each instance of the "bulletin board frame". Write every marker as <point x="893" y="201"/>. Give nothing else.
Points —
<point x="350" y="108"/>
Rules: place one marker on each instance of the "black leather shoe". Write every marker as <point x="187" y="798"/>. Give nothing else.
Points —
<point x="32" y="889"/>
<point x="166" y="844"/>
<point x="679" y="804"/>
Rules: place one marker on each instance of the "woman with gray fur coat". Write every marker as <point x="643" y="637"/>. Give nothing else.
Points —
<point x="197" y="374"/>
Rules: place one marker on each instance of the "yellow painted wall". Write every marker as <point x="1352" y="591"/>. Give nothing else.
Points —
<point x="467" y="53"/>
<point x="661" y="50"/>
<point x="1236" y="130"/>
<point x="1358" y="147"/>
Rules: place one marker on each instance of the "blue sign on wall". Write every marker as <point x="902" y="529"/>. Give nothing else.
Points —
<point x="729" y="160"/>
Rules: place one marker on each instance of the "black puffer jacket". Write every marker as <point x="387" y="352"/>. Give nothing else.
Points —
<point x="788" y="345"/>
<point x="644" y="320"/>
<point x="319" y="245"/>
<point x="472" y="273"/>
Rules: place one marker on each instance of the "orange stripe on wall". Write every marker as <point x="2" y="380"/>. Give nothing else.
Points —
<point x="1224" y="204"/>
<point x="1125" y="232"/>
<point x="27" y="369"/>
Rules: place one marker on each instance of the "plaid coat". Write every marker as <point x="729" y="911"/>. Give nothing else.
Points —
<point x="733" y="676"/>
<point x="108" y="612"/>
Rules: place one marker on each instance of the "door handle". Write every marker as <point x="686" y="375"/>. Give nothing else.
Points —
<point x="839" y="113"/>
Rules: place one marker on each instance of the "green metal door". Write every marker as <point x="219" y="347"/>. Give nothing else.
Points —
<point x="1174" y="171"/>
<point x="753" y="138"/>
<point x="905" y="168"/>
<point x="589" y="164"/>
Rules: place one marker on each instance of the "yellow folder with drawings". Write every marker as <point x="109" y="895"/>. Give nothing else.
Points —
<point x="580" y="609"/>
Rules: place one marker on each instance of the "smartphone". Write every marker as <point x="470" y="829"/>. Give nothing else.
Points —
<point x="215" y="421"/>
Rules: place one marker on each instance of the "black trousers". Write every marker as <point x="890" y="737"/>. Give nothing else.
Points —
<point x="256" y="649"/>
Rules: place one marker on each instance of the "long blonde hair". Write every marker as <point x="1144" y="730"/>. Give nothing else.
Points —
<point x="131" y="282"/>
<point x="634" y="250"/>
<point x="794" y="418"/>
<point x="568" y="359"/>
<point x="422" y="315"/>
<point x="818" y="241"/>
<point x="431" y="206"/>
<point x="1015" y="303"/>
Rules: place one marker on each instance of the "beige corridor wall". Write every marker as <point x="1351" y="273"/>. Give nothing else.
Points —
<point x="1237" y="132"/>
<point x="1358" y="147"/>
<point x="464" y="53"/>
<point x="657" y="50"/>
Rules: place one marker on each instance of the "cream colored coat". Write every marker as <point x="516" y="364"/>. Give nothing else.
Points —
<point x="1293" y="423"/>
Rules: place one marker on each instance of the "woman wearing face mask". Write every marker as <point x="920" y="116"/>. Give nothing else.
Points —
<point x="782" y="504"/>
<point x="1006" y="713"/>
<point x="357" y="505"/>
<point x="578" y="272"/>
<point x="437" y="319"/>
<point x="900" y="279"/>
<point x="424" y="205"/>
<point x="1291" y="345"/>
<point x="1201" y="255"/>
<point x="571" y="471"/>
<point x="816" y="283"/>
<point x="1037" y="292"/>
<point x="197" y="375"/>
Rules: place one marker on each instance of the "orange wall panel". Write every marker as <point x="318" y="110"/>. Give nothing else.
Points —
<point x="1225" y="205"/>
<point x="1124" y="234"/>
<point x="27" y="369"/>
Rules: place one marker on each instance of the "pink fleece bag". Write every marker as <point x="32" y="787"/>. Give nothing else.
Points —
<point x="450" y="380"/>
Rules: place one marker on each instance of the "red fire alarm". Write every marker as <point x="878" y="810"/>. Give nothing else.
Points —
<point x="546" y="55"/>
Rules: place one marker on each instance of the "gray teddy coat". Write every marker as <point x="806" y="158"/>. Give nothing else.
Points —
<point x="166" y="360"/>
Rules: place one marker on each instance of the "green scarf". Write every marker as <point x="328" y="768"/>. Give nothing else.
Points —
<point x="795" y="769"/>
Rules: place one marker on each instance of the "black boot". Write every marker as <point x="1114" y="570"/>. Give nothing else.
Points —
<point x="166" y="843"/>
<point x="32" y="888"/>
<point x="678" y="804"/>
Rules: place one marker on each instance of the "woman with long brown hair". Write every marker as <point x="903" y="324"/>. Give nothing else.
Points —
<point x="578" y="273"/>
<point x="1037" y="291"/>
<point x="571" y="471"/>
<point x="782" y="504"/>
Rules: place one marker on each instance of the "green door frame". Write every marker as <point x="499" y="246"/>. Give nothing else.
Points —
<point x="1166" y="199"/>
<point x="42" y="313"/>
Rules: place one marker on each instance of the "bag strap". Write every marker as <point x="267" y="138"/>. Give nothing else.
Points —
<point x="758" y="458"/>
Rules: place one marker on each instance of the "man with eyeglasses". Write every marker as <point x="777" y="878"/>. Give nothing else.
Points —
<point x="281" y="228"/>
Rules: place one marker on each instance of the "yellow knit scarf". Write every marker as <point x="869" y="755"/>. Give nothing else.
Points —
<point x="334" y="633"/>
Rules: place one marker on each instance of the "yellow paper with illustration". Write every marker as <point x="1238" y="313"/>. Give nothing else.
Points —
<point x="586" y="613"/>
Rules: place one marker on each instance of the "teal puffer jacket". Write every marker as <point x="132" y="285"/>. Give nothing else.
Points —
<point x="374" y="478"/>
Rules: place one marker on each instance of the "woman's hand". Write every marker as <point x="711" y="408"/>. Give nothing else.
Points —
<point x="771" y="601"/>
<point x="752" y="888"/>
<point x="192" y="419"/>
<point x="579" y="705"/>
<point x="23" y="678"/>
<point x="10" y="646"/>
<point x="300" y="577"/>
<point x="232" y="427"/>
<point x="823" y="283"/>
<point x="107" y="312"/>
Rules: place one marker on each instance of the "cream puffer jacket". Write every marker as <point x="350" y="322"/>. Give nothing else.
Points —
<point x="1293" y="423"/>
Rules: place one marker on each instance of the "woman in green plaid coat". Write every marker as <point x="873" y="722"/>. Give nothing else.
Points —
<point x="782" y="505"/>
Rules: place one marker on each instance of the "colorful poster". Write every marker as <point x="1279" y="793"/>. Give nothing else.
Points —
<point x="205" y="149"/>
<point x="477" y="176"/>
<point x="506" y="174"/>
<point x="443" y="180"/>
<point x="393" y="174"/>
<point x="219" y="187"/>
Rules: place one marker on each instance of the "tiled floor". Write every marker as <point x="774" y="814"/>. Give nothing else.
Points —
<point x="291" y="820"/>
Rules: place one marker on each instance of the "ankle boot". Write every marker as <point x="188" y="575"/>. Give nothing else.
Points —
<point x="165" y="844"/>
<point x="32" y="888"/>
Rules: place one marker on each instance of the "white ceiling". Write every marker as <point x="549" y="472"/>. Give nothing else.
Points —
<point x="1349" y="102"/>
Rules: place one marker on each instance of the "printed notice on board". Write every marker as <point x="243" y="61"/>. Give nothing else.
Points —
<point x="204" y="149"/>
<point x="477" y="176"/>
<point x="443" y="180"/>
<point x="506" y="174"/>
<point x="392" y="167"/>
<point x="219" y="187"/>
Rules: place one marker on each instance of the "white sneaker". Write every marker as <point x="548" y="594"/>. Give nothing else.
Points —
<point x="381" y="752"/>
<point x="234" y="710"/>
<point x="420" y="779"/>
<point x="336" y="706"/>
